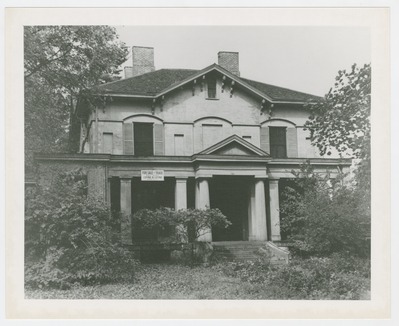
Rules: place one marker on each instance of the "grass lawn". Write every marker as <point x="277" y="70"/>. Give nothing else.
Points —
<point x="164" y="281"/>
<point x="167" y="281"/>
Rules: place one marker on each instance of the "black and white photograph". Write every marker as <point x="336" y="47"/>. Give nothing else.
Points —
<point x="197" y="162"/>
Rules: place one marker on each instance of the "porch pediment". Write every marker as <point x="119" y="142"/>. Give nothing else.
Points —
<point x="234" y="145"/>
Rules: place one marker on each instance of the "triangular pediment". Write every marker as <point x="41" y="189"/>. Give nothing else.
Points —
<point x="234" y="145"/>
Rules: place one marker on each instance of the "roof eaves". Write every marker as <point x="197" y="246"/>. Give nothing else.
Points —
<point x="186" y="80"/>
<point x="196" y="74"/>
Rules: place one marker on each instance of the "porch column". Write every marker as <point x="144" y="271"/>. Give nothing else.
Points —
<point x="126" y="210"/>
<point x="251" y="214"/>
<point x="181" y="193"/>
<point x="181" y="203"/>
<point x="274" y="210"/>
<point x="259" y="223"/>
<point x="202" y="202"/>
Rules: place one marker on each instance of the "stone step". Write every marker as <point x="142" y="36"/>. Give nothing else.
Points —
<point x="249" y="250"/>
<point x="236" y="250"/>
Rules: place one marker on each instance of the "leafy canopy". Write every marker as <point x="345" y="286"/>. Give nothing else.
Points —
<point x="72" y="58"/>
<point x="60" y="63"/>
<point x="341" y="120"/>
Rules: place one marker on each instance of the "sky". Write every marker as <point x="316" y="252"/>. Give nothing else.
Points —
<point x="305" y="59"/>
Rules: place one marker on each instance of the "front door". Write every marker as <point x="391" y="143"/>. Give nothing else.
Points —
<point x="230" y="195"/>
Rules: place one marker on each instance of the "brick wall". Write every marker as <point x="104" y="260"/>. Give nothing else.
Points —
<point x="229" y="61"/>
<point x="143" y="60"/>
<point x="96" y="174"/>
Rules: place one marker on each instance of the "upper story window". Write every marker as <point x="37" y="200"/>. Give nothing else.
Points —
<point x="108" y="142"/>
<point x="212" y="87"/>
<point x="211" y="134"/>
<point x="278" y="142"/>
<point x="179" y="144"/>
<point x="143" y="139"/>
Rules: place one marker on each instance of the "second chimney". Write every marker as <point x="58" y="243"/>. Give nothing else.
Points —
<point x="143" y="60"/>
<point x="229" y="61"/>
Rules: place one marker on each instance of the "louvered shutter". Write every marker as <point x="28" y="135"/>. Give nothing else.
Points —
<point x="158" y="140"/>
<point x="128" y="142"/>
<point x="292" y="142"/>
<point x="265" y="139"/>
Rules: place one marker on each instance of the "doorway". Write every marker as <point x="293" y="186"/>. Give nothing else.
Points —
<point x="231" y="195"/>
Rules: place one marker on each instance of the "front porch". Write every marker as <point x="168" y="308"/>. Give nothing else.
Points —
<point x="232" y="175"/>
<point x="251" y="204"/>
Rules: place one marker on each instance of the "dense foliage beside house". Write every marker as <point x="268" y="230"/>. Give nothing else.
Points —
<point x="71" y="239"/>
<point x="321" y="217"/>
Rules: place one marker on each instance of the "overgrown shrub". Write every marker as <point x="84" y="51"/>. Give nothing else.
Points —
<point x="71" y="238"/>
<point x="340" y="276"/>
<point x="322" y="216"/>
<point x="185" y="225"/>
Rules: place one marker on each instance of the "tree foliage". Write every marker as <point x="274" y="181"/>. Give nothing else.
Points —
<point x="70" y="238"/>
<point x="61" y="62"/>
<point x="322" y="216"/>
<point x="341" y="119"/>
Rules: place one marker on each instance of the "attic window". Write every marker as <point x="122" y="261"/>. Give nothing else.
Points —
<point x="212" y="88"/>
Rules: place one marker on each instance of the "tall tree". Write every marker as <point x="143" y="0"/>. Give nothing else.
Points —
<point x="61" y="62"/>
<point x="341" y="120"/>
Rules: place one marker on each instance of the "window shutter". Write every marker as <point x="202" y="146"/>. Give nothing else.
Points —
<point x="292" y="142"/>
<point x="128" y="143"/>
<point x="158" y="140"/>
<point x="265" y="139"/>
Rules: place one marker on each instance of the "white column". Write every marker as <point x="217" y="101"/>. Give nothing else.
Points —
<point x="109" y="192"/>
<point x="203" y="193"/>
<point x="126" y="210"/>
<point x="274" y="210"/>
<point x="181" y="194"/>
<point x="181" y="203"/>
<point x="202" y="202"/>
<point x="252" y="214"/>
<point x="259" y="223"/>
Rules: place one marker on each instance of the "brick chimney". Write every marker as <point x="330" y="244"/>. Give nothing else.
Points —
<point x="229" y="61"/>
<point x="128" y="72"/>
<point x="143" y="61"/>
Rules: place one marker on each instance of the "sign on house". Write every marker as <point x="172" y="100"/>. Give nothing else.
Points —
<point x="152" y="175"/>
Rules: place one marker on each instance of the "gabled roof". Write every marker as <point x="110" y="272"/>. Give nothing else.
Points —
<point x="234" y="145"/>
<point x="149" y="84"/>
<point x="157" y="83"/>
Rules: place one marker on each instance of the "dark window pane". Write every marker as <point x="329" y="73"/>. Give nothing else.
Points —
<point x="212" y="88"/>
<point x="143" y="139"/>
<point x="278" y="144"/>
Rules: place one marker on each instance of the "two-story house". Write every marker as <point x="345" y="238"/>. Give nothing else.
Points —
<point x="185" y="138"/>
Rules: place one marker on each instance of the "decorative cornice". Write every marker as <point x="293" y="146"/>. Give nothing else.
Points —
<point x="113" y="158"/>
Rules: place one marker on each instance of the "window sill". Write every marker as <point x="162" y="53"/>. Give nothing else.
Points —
<point x="212" y="99"/>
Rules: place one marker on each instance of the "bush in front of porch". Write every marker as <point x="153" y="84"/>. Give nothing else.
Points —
<point x="180" y="227"/>
<point x="72" y="239"/>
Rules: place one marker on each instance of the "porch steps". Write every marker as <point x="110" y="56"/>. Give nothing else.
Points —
<point x="237" y="250"/>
